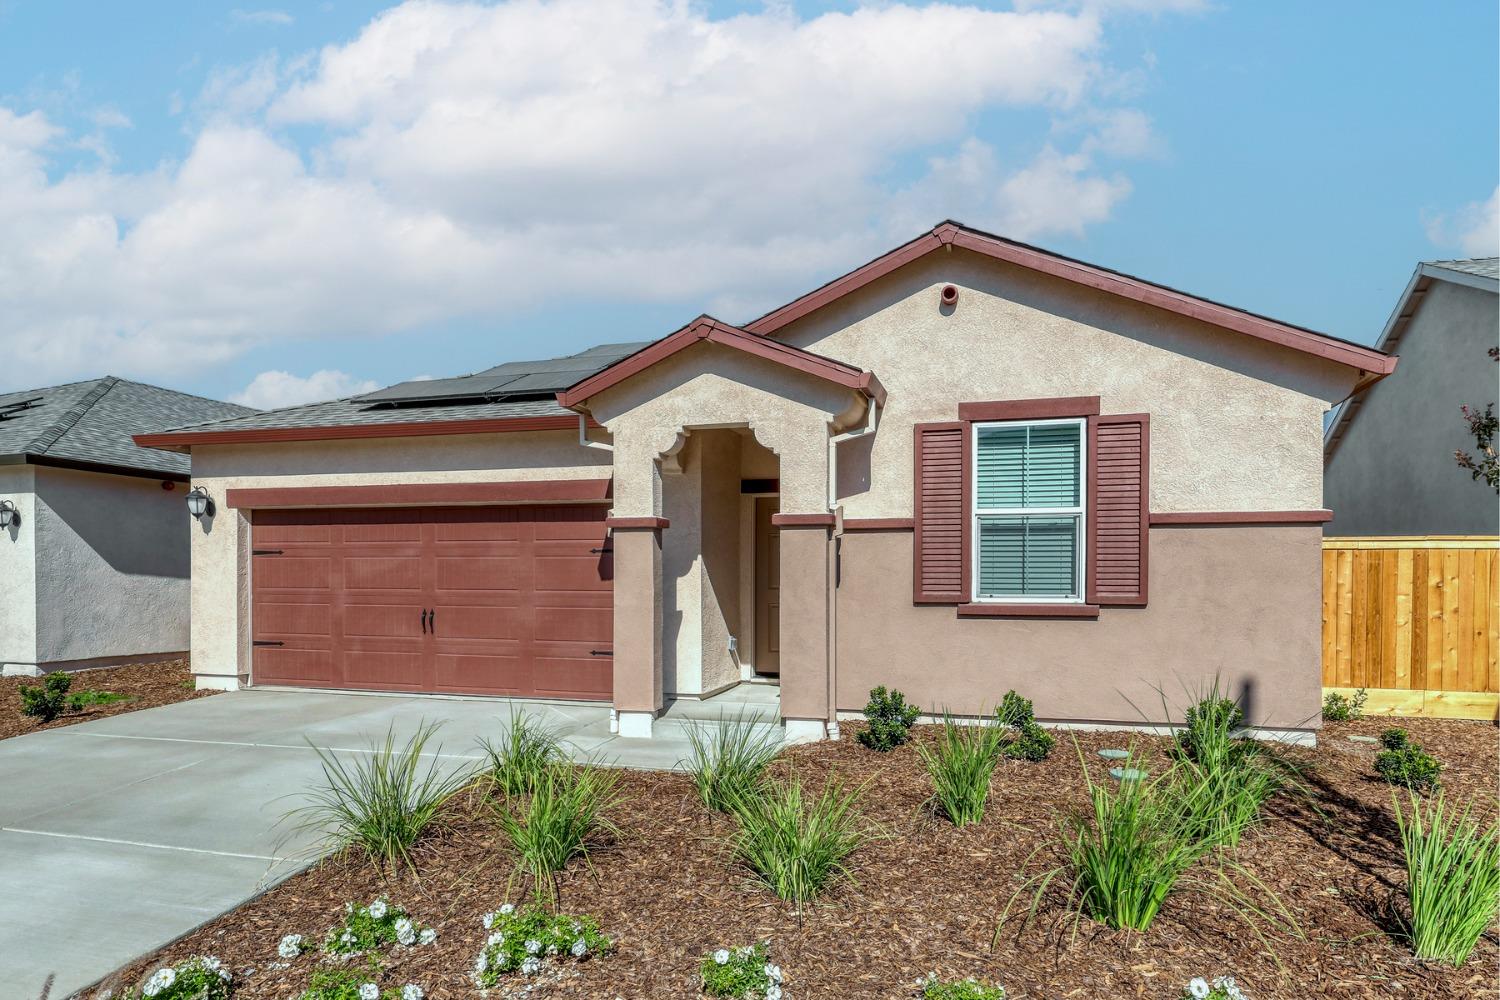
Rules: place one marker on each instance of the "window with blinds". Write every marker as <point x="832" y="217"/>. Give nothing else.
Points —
<point x="1028" y="511"/>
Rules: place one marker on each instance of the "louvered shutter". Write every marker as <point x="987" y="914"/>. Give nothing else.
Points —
<point x="1119" y="474"/>
<point x="939" y="545"/>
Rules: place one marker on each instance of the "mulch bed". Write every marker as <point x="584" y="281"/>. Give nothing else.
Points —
<point x="148" y="685"/>
<point x="927" y="898"/>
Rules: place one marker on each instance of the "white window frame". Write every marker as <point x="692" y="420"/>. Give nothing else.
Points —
<point x="1081" y="511"/>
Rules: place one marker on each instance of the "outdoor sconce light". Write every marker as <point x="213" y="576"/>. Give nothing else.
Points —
<point x="8" y="514"/>
<point x="198" y="502"/>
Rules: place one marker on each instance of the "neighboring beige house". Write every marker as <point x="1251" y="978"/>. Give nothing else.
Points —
<point x="969" y="465"/>
<point x="93" y="529"/>
<point x="1389" y="452"/>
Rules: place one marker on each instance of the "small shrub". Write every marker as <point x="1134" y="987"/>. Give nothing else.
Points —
<point x="1027" y="740"/>
<point x="745" y="973"/>
<point x="1405" y="763"/>
<point x="799" y="844"/>
<point x="1014" y="711"/>
<point x="380" y="802"/>
<point x="1452" y="879"/>
<point x="961" y="766"/>
<point x="366" y="928"/>
<point x="1339" y="708"/>
<point x="517" y="762"/>
<point x="728" y="759"/>
<point x="1394" y="738"/>
<point x="890" y="720"/>
<point x="47" y="700"/>
<point x="557" y="822"/>
<point x="933" y="988"/>
<point x="1222" y="988"/>
<point x="521" y="940"/>
<point x="347" y="984"/>
<point x="199" y="978"/>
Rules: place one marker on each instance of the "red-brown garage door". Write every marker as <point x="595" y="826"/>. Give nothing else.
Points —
<point x="471" y="600"/>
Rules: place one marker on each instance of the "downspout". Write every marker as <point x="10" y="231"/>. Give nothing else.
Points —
<point x="872" y="422"/>
<point x="583" y="439"/>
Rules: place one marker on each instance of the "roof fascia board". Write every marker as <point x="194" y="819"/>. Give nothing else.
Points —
<point x="183" y="440"/>
<point x="1478" y="281"/>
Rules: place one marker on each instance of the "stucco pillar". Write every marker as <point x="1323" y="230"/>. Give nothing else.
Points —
<point x="637" y="626"/>
<point x="806" y="595"/>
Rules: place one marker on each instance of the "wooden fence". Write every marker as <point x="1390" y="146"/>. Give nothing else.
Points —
<point x="1414" y="621"/>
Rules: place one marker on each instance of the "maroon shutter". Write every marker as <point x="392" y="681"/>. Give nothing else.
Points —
<point x="1119" y="495"/>
<point x="940" y="573"/>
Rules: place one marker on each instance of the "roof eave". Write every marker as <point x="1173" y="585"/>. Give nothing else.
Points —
<point x="184" y="441"/>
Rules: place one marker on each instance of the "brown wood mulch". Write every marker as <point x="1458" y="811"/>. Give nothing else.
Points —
<point x="927" y="897"/>
<point x="149" y="685"/>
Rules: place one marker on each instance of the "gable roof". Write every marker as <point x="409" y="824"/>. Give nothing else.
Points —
<point x="1480" y="272"/>
<point x="706" y="328"/>
<point x="89" y="425"/>
<point x="950" y="233"/>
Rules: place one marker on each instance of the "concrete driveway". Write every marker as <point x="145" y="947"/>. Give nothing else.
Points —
<point x="119" y="835"/>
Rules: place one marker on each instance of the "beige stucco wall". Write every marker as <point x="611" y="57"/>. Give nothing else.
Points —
<point x="1236" y="423"/>
<point x="1242" y="603"/>
<point x="18" y="572"/>
<point x="112" y="567"/>
<point x="221" y="544"/>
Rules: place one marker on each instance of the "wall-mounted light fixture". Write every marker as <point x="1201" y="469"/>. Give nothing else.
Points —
<point x="199" y="502"/>
<point x="8" y="514"/>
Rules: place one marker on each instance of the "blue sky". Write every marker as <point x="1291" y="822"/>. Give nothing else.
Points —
<point x="203" y="193"/>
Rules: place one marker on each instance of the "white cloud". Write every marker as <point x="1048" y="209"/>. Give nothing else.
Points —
<point x="274" y="389"/>
<point x="273" y="17"/>
<point x="1474" y="229"/>
<point x="469" y="160"/>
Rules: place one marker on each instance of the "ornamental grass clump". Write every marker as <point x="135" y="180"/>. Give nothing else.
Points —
<point x="367" y="928"/>
<point x="933" y="988"/>
<point x="961" y="765"/>
<point x="744" y="973"/>
<point x="888" y="720"/>
<point x="198" y="978"/>
<point x="1222" y="780"/>
<point x="380" y="802"/>
<point x="799" y="844"/>
<point x="521" y="941"/>
<point x="517" y="762"/>
<point x="1452" y="878"/>
<point x="558" y="821"/>
<point x="728" y="759"/>
<point x="1405" y="763"/>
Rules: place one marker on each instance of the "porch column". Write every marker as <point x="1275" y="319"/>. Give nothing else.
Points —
<point x="637" y="623"/>
<point x="806" y="613"/>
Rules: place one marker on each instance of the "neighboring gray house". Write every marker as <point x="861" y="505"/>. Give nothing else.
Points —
<point x="95" y="537"/>
<point x="1388" y="454"/>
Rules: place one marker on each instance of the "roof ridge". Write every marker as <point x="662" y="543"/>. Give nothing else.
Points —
<point x="75" y="413"/>
<point x="254" y="412"/>
<point x="185" y="395"/>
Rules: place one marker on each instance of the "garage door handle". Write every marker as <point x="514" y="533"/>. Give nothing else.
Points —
<point x="601" y="652"/>
<point x="432" y="620"/>
<point x="424" y="621"/>
<point x="267" y="642"/>
<point x="265" y="552"/>
<point x="598" y="551"/>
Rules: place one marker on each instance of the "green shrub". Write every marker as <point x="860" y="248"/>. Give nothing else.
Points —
<point x="557" y="822"/>
<point x="1394" y="738"/>
<point x="522" y="940"/>
<point x="934" y="988"/>
<point x="47" y="700"/>
<point x="797" y="844"/>
<point x="380" y="802"/>
<point x="346" y="984"/>
<point x="1338" y="708"/>
<point x="961" y="766"/>
<point x="199" y="978"/>
<point x="1452" y="878"/>
<point x="1027" y="739"/>
<point x="728" y="759"/>
<point x="368" y="928"/>
<point x="890" y="720"/>
<point x="745" y="973"/>
<point x="517" y="762"/>
<point x="1405" y="763"/>
<point x="1014" y="711"/>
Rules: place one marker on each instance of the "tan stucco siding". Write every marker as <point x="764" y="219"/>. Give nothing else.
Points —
<point x="1239" y="603"/>
<point x="18" y="571"/>
<point x="1236" y="423"/>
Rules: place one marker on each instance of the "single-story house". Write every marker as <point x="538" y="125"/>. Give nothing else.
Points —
<point x="966" y="466"/>
<point x="94" y="552"/>
<point x="1388" y="453"/>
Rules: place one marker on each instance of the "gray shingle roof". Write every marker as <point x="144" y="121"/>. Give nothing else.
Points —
<point x="93" y="421"/>
<point x="1484" y="267"/>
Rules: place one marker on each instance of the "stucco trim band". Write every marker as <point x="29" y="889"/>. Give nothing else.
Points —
<point x="422" y="494"/>
<point x="182" y="440"/>
<point x="1265" y="517"/>
<point x="1030" y="409"/>
<point x="629" y="523"/>
<point x="803" y="520"/>
<point x="1028" y="611"/>
<point x="880" y="524"/>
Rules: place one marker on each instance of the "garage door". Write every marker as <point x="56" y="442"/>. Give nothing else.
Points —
<point x="463" y="600"/>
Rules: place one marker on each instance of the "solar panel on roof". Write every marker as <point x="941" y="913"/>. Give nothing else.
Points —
<point x="514" y="378"/>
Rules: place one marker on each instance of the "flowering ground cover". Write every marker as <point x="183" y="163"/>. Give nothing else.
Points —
<point x="143" y="685"/>
<point x="926" y="897"/>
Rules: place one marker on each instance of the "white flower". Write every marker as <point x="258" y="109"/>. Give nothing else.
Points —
<point x="405" y="932"/>
<point x="721" y="957"/>
<point x="427" y="936"/>
<point x="347" y="937"/>
<point x="773" y="992"/>
<point x="369" y="991"/>
<point x="377" y="909"/>
<point x="580" y="948"/>
<point x="533" y="946"/>
<point x="411" y="991"/>
<point x="482" y="962"/>
<point x="506" y="909"/>
<point x="160" y="980"/>
<point x="488" y="920"/>
<point x="530" y="966"/>
<point x="1199" y="988"/>
<point x="290" y="946"/>
<point x="773" y="972"/>
<point x="496" y="938"/>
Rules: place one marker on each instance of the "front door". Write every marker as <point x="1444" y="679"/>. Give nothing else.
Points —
<point x="767" y="588"/>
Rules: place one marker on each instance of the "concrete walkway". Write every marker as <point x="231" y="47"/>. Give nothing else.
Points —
<point x="117" y="836"/>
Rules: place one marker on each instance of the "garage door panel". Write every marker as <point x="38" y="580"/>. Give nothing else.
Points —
<point x="581" y="572"/>
<point x="494" y="573"/>
<point x="382" y="534"/>
<point x="584" y="625"/>
<point x="383" y="573"/>
<point x="383" y="621"/>
<point x="383" y="670"/>
<point x="303" y="667"/>
<point x="274" y="619"/>
<point x="293" y="573"/>
<point x="578" y="676"/>
<point x="493" y="671"/>
<point x="456" y="622"/>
